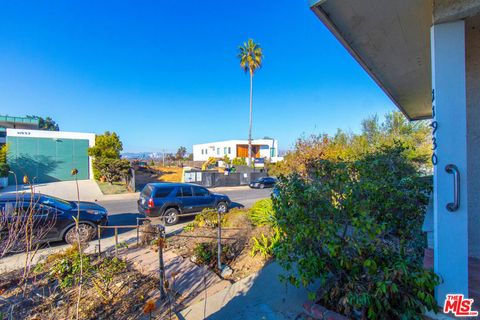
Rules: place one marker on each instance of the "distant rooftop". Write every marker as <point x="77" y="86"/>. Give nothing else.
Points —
<point x="18" y="122"/>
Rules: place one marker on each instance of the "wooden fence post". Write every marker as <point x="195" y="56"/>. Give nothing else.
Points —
<point x="99" y="231"/>
<point x="161" y="267"/>
<point x="116" y="241"/>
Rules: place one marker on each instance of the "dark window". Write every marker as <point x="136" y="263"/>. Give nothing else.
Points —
<point x="200" y="192"/>
<point x="163" y="192"/>
<point x="44" y="210"/>
<point x="56" y="202"/>
<point x="185" y="192"/>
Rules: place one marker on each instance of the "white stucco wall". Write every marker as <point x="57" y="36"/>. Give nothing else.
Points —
<point x="472" y="54"/>
<point x="211" y="149"/>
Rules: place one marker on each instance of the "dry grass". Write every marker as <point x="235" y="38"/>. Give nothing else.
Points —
<point x="169" y="174"/>
<point x="115" y="188"/>
<point x="158" y="174"/>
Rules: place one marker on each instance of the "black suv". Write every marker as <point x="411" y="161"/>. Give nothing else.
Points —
<point x="170" y="199"/>
<point x="263" y="182"/>
<point x="53" y="218"/>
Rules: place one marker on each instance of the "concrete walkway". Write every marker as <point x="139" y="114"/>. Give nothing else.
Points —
<point x="260" y="296"/>
<point x="89" y="190"/>
<point x="190" y="282"/>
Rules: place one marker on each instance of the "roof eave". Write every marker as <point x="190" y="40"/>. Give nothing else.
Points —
<point x="315" y="7"/>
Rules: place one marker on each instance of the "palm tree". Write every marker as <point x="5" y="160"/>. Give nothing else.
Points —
<point x="250" y="55"/>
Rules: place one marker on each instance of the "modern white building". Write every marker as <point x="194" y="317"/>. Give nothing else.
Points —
<point x="425" y="55"/>
<point x="261" y="148"/>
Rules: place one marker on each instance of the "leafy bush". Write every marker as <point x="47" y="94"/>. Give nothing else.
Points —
<point x="4" y="170"/>
<point x="239" y="161"/>
<point x="3" y="153"/>
<point x="206" y="253"/>
<point x="356" y="227"/>
<point x="265" y="245"/>
<point x="65" y="267"/>
<point x="208" y="218"/>
<point x="262" y="213"/>
<point x="348" y="146"/>
<point x="112" y="169"/>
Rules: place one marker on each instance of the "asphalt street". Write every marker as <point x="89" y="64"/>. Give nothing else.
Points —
<point x="124" y="211"/>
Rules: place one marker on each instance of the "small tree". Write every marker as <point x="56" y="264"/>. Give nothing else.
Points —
<point x="181" y="153"/>
<point x="113" y="169"/>
<point x="47" y="124"/>
<point x="107" y="146"/>
<point x="226" y="160"/>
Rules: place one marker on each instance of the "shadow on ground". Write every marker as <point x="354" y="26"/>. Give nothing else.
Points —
<point x="261" y="296"/>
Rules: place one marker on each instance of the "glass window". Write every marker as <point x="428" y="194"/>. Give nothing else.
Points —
<point x="147" y="191"/>
<point x="202" y="151"/>
<point x="229" y="150"/>
<point x="163" y="192"/>
<point x="186" y="191"/>
<point x="225" y="150"/>
<point x="56" y="203"/>
<point x="218" y="150"/>
<point x="200" y="192"/>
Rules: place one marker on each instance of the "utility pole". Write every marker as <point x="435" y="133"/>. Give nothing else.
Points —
<point x="163" y="157"/>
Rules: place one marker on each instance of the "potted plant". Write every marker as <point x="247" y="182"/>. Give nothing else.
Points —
<point x="4" y="170"/>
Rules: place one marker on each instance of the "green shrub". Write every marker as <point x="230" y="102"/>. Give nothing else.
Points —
<point x="356" y="227"/>
<point x="208" y="218"/>
<point x="4" y="170"/>
<point x="112" y="169"/>
<point x="65" y="267"/>
<point x="206" y="253"/>
<point x="262" y="213"/>
<point x="265" y="245"/>
<point x="239" y="162"/>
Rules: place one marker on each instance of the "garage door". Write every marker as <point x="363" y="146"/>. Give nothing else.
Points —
<point x="47" y="159"/>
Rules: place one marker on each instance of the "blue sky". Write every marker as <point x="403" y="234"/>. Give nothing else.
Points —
<point x="165" y="73"/>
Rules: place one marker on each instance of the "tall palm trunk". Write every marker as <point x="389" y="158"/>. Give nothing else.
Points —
<point x="250" y="129"/>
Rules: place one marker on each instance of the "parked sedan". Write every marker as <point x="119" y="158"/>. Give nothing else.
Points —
<point x="52" y="218"/>
<point x="171" y="199"/>
<point x="264" y="182"/>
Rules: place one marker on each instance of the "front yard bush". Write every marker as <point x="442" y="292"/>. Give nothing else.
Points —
<point x="262" y="213"/>
<point x="356" y="227"/>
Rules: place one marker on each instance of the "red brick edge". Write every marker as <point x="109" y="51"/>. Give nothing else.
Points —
<point x="318" y="312"/>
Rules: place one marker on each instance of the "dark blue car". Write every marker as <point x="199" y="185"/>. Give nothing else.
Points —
<point x="52" y="218"/>
<point x="171" y="199"/>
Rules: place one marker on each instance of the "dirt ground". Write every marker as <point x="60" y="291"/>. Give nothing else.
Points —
<point x="236" y="236"/>
<point x="158" y="174"/>
<point x="45" y="300"/>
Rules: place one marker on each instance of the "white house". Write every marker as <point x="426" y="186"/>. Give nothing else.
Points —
<point x="425" y="55"/>
<point x="261" y="148"/>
